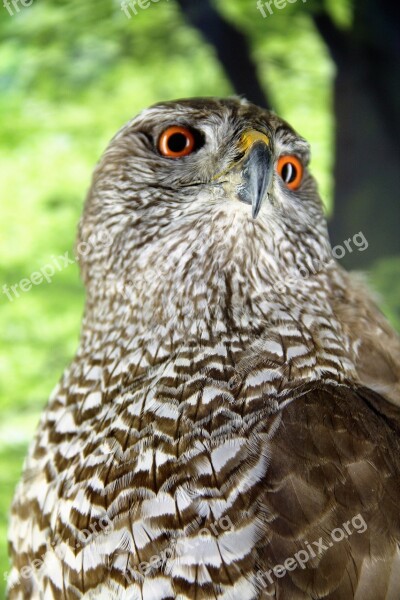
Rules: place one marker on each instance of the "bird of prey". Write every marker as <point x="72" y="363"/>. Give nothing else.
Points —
<point x="229" y="427"/>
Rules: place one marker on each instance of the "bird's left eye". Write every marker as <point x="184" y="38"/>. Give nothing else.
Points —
<point x="176" y="141"/>
<point x="291" y="171"/>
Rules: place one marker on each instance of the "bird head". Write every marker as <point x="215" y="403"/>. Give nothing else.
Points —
<point x="201" y="187"/>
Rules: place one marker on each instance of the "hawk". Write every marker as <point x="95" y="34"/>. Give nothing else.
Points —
<point x="229" y="426"/>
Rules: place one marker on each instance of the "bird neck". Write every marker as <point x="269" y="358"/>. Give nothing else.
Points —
<point x="234" y="301"/>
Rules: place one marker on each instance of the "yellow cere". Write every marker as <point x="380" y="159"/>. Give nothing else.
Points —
<point x="246" y="141"/>
<point x="250" y="137"/>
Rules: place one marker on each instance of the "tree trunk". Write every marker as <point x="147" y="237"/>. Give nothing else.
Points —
<point x="231" y="48"/>
<point x="366" y="96"/>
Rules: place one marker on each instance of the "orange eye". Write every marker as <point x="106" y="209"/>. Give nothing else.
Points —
<point x="291" y="171"/>
<point x="176" y="141"/>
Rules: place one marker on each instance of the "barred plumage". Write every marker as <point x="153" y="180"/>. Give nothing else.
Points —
<point x="235" y="396"/>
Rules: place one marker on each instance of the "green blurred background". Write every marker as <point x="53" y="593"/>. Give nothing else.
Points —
<point x="71" y="73"/>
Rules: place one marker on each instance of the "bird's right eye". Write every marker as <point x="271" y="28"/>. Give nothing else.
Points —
<point x="176" y="141"/>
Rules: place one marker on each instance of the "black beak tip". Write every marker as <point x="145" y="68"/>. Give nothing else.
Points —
<point x="255" y="210"/>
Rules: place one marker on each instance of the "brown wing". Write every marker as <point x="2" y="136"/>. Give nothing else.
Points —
<point x="334" y="473"/>
<point x="376" y="345"/>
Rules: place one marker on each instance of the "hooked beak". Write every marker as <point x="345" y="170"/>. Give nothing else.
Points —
<point x="257" y="170"/>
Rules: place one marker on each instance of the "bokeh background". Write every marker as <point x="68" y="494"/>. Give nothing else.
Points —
<point x="72" y="72"/>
